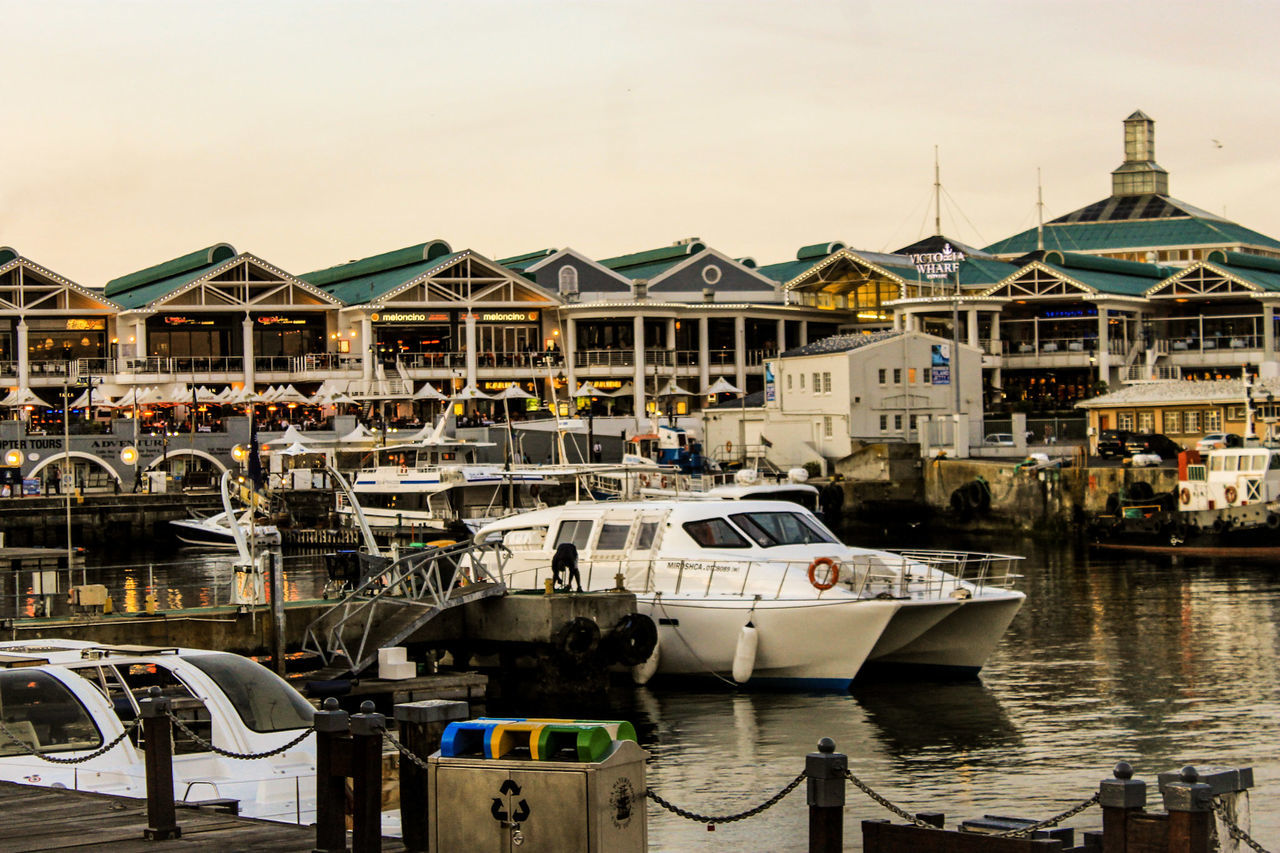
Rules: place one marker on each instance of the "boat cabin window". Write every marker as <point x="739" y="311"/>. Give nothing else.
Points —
<point x="1257" y="462"/>
<point x="263" y="701"/>
<point x="613" y="536"/>
<point x="715" y="533"/>
<point x="780" y="528"/>
<point x="40" y="711"/>
<point x="1230" y="463"/>
<point x="575" y="530"/>
<point x="141" y="677"/>
<point x="648" y="533"/>
<point x="1275" y="462"/>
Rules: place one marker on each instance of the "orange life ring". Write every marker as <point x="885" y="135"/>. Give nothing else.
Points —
<point x="728" y="447"/>
<point x="664" y="481"/>
<point x="1230" y="494"/>
<point x="535" y="491"/>
<point x="832" y="577"/>
<point x="1185" y="495"/>
<point x="644" y="480"/>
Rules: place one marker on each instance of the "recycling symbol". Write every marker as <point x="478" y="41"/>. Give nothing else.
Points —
<point x="520" y="814"/>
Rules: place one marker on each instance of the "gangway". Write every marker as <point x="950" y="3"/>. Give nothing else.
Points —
<point x="394" y="602"/>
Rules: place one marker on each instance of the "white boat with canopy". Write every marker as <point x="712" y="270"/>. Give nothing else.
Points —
<point x="764" y="591"/>
<point x="69" y="698"/>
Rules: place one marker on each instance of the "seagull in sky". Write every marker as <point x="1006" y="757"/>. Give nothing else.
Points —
<point x="1216" y="142"/>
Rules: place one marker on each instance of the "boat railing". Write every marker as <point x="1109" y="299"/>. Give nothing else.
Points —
<point x="940" y="572"/>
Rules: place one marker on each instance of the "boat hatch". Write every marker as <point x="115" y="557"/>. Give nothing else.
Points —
<point x="13" y="661"/>
<point x="95" y="652"/>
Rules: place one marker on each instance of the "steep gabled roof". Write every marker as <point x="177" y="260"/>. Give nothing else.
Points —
<point x="146" y="285"/>
<point x="1087" y="273"/>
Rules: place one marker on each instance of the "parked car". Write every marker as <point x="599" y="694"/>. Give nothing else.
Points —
<point x="1153" y="444"/>
<point x="1112" y="442"/>
<point x="1219" y="440"/>
<point x="999" y="439"/>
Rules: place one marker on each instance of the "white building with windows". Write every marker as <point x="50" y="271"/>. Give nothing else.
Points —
<point x="822" y="399"/>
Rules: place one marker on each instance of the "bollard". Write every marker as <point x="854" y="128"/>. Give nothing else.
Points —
<point x="333" y="756"/>
<point x="1120" y="798"/>
<point x="421" y="725"/>
<point x="1189" y="803"/>
<point x="825" y="771"/>
<point x="366" y="779"/>
<point x="157" y="732"/>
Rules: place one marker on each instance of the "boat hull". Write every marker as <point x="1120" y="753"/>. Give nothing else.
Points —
<point x="209" y="536"/>
<point x="956" y="645"/>
<point x="803" y="643"/>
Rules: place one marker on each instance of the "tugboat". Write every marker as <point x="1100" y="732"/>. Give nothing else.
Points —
<point x="1227" y="502"/>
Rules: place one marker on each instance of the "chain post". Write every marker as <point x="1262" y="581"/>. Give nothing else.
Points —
<point x="826" y="771"/>
<point x="422" y="725"/>
<point x="162" y="813"/>
<point x="366" y="779"/>
<point x="1189" y="803"/>
<point x="1120" y="797"/>
<point x="333" y="756"/>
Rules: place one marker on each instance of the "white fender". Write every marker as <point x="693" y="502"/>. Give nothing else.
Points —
<point x="744" y="659"/>
<point x="641" y="673"/>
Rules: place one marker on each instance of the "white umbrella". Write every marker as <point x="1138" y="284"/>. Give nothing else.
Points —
<point x="23" y="397"/>
<point x="513" y="392"/>
<point x="471" y="392"/>
<point x="360" y="434"/>
<point x="429" y="392"/>
<point x="721" y="386"/>
<point x="289" y="394"/>
<point x="296" y="449"/>
<point x="100" y="401"/>
<point x="204" y="395"/>
<point x="671" y="389"/>
<point x="586" y="389"/>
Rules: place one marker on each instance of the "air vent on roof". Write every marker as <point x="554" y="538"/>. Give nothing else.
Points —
<point x="687" y="241"/>
<point x="640" y="288"/>
<point x="708" y="295"/>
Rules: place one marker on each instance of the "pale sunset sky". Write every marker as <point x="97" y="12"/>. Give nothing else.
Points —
<point x="311" y="132"/>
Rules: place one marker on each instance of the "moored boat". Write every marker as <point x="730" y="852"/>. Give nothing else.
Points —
<point x="818" y="609"/>
<point x="215" y="531"/>
<point x="69" y="698"/>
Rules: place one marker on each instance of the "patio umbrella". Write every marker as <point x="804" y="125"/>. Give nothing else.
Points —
<point x="586" y="389"/>
<point x="429" y="392"/>
<point x="721" y="386"/>
<point x="471" y="392"/>
<point x="289" y="394"/>
<point x="671" y="389"/>
<point x="23" y="397"/>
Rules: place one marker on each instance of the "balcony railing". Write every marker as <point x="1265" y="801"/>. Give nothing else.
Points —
<point x="427" y="360"/>
<point x="1214" y="344"/>
<point x="604" y="358"/>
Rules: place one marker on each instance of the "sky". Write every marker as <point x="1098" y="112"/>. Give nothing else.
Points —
<point x="311" y="133"/>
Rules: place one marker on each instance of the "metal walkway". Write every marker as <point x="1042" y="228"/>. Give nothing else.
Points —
<point x="392" y="604"/>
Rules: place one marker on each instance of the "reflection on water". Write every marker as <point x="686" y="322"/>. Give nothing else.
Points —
<point x="1156" y="662"/>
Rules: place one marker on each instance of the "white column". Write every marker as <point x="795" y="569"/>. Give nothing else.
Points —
<point x="997" y="377"/>
<point x="366" y="347"/>
<point x="571" y="351"/>
<point x="671" y="334"/>
<point x="140" y="337"/>
<point x="471" y="348"/>
<point x="972" y="320"/>
<point x="247" y="349"/>
<point x="782" y="335"/>
<point x="1104" y="347"/>
<point x="897" y="320"/>
<point x="1268" y="332"/>
<point x="24" y="358"/>
<point x="637" y="394"/>
<point x="704" y="356"/>
<point x="804" y="332"/>
<point x="740" y="351"/>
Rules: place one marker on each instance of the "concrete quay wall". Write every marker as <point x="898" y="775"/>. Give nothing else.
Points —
<point x="1047" y="500"/>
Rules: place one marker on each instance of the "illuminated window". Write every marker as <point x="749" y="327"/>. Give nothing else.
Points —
<point x="1213" y="421"/>
<point x="1192" y="424"/>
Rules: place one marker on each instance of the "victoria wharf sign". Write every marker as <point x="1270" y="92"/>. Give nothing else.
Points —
<point x="938" y="264"/>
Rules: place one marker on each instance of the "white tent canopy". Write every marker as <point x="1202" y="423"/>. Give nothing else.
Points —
<point x="721" y="386"/>
<point x="428" y="392"/>
<point x="289" y="394"/>
<point x="471" y="392"/>
<point x="671" y="389"/>
<point x="23" y="397"/>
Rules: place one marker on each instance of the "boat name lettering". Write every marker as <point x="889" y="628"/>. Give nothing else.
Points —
<point x="693" y="566"/>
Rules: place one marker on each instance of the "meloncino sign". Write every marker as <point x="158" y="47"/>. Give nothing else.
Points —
<point x="938" y="264"/>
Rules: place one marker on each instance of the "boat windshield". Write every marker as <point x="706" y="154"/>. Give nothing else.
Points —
<point x="39" y="711"/>
<point x="262" y="699"/>
<point x="780" y="528"/>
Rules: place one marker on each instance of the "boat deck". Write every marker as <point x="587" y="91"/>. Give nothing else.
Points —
<point x="52" y="819"/>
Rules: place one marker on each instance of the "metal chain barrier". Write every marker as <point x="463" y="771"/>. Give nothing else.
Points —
<point x="1020" y="832"/>
<point x="713" y="819"/>
<point x="243" y="756"/>
<point x="31" y="750"/>
<point x="1023" y="832"/>
<point x="404" y="750"/>
<point x="900" y="812"/>
<point x="1220" y="809"/>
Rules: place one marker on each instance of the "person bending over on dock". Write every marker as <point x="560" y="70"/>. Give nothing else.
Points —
<point x="566" y="560"/>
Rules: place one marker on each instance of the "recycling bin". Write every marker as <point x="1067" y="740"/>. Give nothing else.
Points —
<point x="538" y="786"/>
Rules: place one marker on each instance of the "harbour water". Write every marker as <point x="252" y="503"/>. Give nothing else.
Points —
<point x="1157" y="662"/>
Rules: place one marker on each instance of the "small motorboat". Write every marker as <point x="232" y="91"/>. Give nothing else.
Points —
<point x="68" y="698"/>
<point x="215" y="531"/>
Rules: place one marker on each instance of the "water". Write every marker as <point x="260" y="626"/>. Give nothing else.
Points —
<point x="1150" y="661"/>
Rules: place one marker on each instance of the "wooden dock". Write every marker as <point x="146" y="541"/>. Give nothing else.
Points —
<point x="38" y="819"/>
